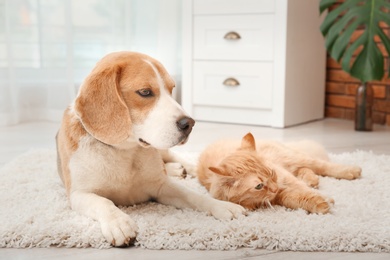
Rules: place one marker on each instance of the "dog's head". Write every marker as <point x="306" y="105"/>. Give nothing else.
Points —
<point x="127" y="97"/>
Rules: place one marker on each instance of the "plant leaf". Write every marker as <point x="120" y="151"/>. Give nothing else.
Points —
<point x="346" y="59"/>
<point x="339" y="26"/>
<point x="368" y="64"/>
<point x="386" y="43"/>
<point x="325" y="4"/>
<point x="342" y="41"/>
<point x="332" y="16"/>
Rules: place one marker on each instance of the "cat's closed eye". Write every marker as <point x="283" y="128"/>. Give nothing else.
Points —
<point x="259" y="186"/>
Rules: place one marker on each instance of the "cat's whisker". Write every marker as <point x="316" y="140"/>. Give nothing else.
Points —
<point x="269" y="204"/>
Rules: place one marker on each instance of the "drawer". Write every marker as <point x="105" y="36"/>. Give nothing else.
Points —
<point x="233" y="6"/>
<point x="233" y="115"/>
<point x="256" y="42"/>
<point x="253" y="89"/>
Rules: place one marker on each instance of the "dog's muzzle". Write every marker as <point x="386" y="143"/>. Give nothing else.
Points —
<point x="184" y="127"/>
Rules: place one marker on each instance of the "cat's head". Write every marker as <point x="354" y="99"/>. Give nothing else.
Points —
<point x="245" y="176"/>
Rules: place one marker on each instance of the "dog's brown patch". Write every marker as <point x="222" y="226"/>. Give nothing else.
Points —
<point x="100" y="105"/>
<point x="68" y="138"/>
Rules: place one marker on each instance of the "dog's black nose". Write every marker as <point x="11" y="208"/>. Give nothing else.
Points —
<point x="185" y="124"/>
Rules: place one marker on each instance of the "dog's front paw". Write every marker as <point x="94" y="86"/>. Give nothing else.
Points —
<point x="175" y="170"/>
<point x="191" y="169"/>
<point x="227" y="210"/>
<point x="120" y="230"/>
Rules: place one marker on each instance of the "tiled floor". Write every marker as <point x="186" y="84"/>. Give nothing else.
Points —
<point x="337" y="135"/>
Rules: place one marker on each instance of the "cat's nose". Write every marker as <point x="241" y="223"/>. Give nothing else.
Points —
<point x="273" y="189"/>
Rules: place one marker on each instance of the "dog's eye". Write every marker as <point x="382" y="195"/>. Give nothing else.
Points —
<point x="259" y="186"/>
<point x="145" y="92"/>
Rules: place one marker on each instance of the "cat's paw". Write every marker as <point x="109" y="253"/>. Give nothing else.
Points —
<point x="175" y="170"/>
<point x="312" y="180"/>
<point x="308" y="177"/>
<point x="321" y="205"/>
<point x="352" y="172"/>
<point x="225" y="210"/>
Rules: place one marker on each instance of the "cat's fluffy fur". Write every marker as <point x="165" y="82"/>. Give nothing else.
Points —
<point x="260" y="173"/>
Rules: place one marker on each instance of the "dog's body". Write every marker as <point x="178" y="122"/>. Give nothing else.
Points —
<point x="113" y="143"/>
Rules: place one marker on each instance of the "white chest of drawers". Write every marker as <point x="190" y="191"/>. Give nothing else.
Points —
<point x="257" y="62"/>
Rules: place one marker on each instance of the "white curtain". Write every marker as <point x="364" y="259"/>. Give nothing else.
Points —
<point x="47" y="47"/>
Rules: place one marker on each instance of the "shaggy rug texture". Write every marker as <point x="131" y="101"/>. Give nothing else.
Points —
<point x="35" y="213"/>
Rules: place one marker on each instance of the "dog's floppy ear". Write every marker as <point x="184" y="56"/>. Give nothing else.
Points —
<point x="248" y="142"/>
<point x="101" y="108"/>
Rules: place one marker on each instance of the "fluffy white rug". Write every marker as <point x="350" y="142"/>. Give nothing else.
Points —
<point x="35" y="213"/>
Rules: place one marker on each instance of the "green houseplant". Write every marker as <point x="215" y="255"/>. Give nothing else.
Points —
<point x="361" y="58"/>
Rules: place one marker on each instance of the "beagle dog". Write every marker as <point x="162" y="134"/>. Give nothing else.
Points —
<point x="113" y="144"/>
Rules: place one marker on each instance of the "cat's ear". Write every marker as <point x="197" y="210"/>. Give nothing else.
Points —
<point x="219" y="171"/>
<point x="248" y="142"/>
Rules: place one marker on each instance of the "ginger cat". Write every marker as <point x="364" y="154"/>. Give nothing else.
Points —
<point x="270" y="173"/>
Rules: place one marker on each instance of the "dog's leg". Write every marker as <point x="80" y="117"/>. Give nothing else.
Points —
<point x="173" y="194"/>
<point x="172" y="157"/>
<point x="117" y="227"/>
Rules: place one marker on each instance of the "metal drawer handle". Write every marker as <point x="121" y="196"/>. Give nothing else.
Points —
<point x="231" y="82"/>
<point x="232" y="36"/>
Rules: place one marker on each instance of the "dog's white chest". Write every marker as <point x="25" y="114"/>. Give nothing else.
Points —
<point x="124" y="176"/>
